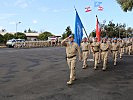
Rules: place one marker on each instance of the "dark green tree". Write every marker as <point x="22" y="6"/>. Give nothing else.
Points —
<point x="67" y="32"/>
<point x="19" y="35"/>
<point x="126" y="5"/>
<point x="93" y="33"/>
<point x="1" y="38"/>
<point x="129" y="32"/>
<point x="25" y="31"/>
<point x="45" y="35"/>
<point x="8" y="36"/>
<point x="114" y="30"/>
<point x="29" y="30"/>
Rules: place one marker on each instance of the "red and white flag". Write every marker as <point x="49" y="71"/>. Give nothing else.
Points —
<point x="100" y="8"/>
<point x="88" y="9"/>
<point x="98" y="29"/>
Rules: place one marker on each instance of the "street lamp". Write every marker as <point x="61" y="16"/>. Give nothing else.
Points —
<point x="17" y="25"/>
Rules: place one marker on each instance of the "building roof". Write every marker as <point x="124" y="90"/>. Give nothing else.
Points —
<point x="32" y="34"/>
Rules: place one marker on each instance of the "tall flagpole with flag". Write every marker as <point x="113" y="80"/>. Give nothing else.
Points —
<point x="78" y="29"/>
<point x="98" y="30"/>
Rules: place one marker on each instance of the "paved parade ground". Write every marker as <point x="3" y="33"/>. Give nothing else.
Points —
<point x="42" y="73"/>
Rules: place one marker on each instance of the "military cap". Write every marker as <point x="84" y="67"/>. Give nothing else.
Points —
<point x="70" y="36"/>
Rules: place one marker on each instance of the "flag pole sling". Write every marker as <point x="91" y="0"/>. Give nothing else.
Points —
<point x="85" y="32"/>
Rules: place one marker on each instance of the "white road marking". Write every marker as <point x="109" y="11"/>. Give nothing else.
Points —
<point x="90" y="59"/>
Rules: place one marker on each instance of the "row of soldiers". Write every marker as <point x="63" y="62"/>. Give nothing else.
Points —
<point x="34" y="44"/>
<point x="100" y="51"/>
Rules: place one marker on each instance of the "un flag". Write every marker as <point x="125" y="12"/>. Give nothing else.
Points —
<point x="78" y="30"/>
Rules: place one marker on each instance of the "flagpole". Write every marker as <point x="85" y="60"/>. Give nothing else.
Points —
<point x="83" y="25"/>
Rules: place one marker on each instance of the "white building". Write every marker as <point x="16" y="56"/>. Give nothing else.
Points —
<point x="32" y="36"/>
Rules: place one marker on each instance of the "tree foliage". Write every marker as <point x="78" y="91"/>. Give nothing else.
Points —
<point x="93" y="33"/>
<point x="19" y="35"/>
<point x="126" y="5"/>
<point x="114" y="30"/>
<point x="1" y="38"/>
<point x="67" y="32"/>
<point x="30" y="31"/>
<point x="8" y="36"/>
<point x="45" y="35"/>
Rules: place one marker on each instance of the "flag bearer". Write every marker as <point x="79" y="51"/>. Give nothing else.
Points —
<point x="95" y="48"/>
<point x="71" y="50"/>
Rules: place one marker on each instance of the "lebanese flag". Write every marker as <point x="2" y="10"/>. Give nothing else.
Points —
<point x="100" y="8"/>
<point x="88" y="9"/>
<point x="98" y="30"/>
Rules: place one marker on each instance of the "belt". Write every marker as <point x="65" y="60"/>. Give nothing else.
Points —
<point x="104" y="50"/>
<point x="84" y="50"/>
<point x="71" y="56"/>
<point x="96" y="51"/>
<point x="114" y="50"/>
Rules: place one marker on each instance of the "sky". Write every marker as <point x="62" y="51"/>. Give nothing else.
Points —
<point x="55" y="15"/>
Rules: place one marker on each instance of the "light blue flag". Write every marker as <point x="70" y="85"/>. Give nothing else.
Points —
<point x="78" y="30"/>
<point x="97" y="3"/>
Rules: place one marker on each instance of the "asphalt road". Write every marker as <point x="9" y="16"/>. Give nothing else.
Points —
<point x="42" y="73"/>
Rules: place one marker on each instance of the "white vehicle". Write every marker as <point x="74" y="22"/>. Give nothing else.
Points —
<point x="11" y="43"/>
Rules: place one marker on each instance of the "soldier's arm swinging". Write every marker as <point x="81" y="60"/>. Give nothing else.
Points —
<point x="79" y="53"/>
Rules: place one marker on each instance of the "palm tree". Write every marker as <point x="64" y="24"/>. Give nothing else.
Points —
<point x="126" y="5"/>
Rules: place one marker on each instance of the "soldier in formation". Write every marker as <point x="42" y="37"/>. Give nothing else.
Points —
<point x="95" y="49"/>
<point x="114" y="50"/>
<point x="85" y="52"/>
<point x="104" y="47"/>
<point x="32" y="44"/>
<point x="121" y="44"/>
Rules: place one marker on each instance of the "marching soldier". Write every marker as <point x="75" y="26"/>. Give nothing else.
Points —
<point x="71" y="49"/>
<point x="124" y="45"/>
<point x="130" y="46"/>
<point x="104" y="47"/>
<point x="109" y="42"/>
<point x="114" y="49"/>
<point x="85" y="52"/>
<point x="121" y="44"/>
<point x="127" y="44"/>
<point x="95" y="48"/>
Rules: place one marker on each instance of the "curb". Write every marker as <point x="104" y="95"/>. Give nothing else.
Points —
<point x="2" y="46"/>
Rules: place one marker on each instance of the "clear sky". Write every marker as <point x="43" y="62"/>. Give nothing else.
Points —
<point x="56" y="15"/>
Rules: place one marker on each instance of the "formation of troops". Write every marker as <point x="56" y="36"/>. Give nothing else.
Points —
<point x="100" y="50"/>
<point x="35" y="44"/>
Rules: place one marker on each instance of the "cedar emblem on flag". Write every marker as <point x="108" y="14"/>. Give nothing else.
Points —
<point x="100" y="8"/>
<point x="88" y="9"/>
